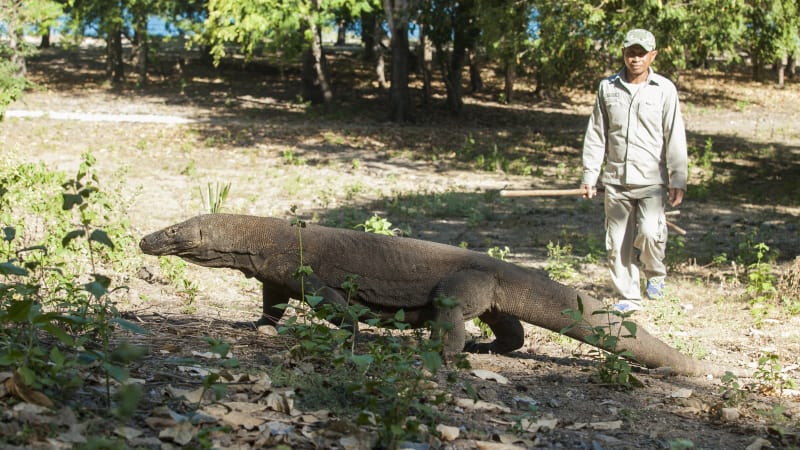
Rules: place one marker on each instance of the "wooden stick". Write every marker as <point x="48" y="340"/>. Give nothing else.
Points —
<point x="540" y="192"/>
<point x="676" y="228"/>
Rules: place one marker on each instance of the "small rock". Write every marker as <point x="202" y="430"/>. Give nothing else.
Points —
<point x="758" y="444"/>
<point x="413" y="446"/>
<point x="447" y="432"/>
<point x="729" y="414"/>
<point x="267" y="330"/>
<point x="681" y="393"/>
<point x="524" y="403"/>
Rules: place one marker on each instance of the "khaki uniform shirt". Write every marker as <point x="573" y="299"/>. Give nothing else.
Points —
<point x="641" y="137"/>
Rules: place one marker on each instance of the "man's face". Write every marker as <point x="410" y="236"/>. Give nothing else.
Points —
<point x="638" y="60"/>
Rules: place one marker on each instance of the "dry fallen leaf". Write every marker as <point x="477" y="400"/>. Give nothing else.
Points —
<point x="181" y="434"/>
<point x="194" y="396"/>
<point x="281" y="401"/>
<point x="489" y="375"/>
<point x="128" y="433"/>
<point x="17" y="388"/>
<point x="606" y="426"/>
<point x="485" y="445"/>
<point x="480" y="405"/>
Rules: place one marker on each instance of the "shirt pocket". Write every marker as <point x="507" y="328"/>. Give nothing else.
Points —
<point x="650" y="132"/>
<point x="617" y="107"/>
<point x="651" y="110"/>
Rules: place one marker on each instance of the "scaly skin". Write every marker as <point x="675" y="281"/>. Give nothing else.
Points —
<point x="400" y="273"/>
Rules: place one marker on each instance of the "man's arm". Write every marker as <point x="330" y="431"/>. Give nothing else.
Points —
<point x="677" y="159"/>
<point x="594" y="146"/>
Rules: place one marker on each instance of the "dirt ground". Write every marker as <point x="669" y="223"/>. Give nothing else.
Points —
<point x="164" y="143"/>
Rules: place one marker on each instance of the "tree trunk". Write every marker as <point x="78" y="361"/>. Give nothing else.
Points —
<point x="369" y="34"/>
<point x="454" y="100"/>
<point x="780" y="66"/>
<point x="17" y="58"/>
<point x="341" y="33"/>
<point x="464" y="34"/>
<point x="426" y="54"/>
<point x="115" y="66"/>
<point x="315" y="83"/>
<point x="400" y="105"/>
<point x="45" y="41"/>
<point x="475" y="80"/>
<point x="140" y="47"/>
<point x="510" y="69"/>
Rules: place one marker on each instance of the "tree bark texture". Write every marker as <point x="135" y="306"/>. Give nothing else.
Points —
<point x="401" y="107"/>
<point x="316" y="88"/>
<point x="426" y="54"/>
<point x="140" y="46"/>
<point x="115" y="66"/>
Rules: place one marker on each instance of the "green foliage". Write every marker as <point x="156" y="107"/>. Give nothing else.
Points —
<point x="377" y="225"/>
<point x="732" y="392"/>
<point x="613" y="366"/>
<point x="12" y="85"/>
<point x="290" y="158"/>
<point x="214" y="196"/>
<point x="389" y="374"/>
<point x="681" y="444"/>
<point x="760" y="284"/>
<point x="57" y="321"/>
<point x="770" y="377"/>
<point x="702" y="160"/>
<point x="278" y="27"/>
<point x="561" y="264"/>
<point x="499" y="253"/>
<point x="450" y="204"/>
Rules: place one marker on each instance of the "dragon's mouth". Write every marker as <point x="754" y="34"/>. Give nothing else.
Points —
<point x="157" y="244"/>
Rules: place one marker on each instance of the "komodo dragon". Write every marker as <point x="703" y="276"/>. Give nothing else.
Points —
<point x="399" y="273"/>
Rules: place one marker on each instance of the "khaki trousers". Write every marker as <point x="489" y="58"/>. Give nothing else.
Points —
<point x="636" y="236"/>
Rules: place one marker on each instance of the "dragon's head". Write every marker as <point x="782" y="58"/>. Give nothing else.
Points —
<point x="196" y="240"/>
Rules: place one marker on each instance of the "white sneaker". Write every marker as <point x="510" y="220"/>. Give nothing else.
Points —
<point x="628" y="306"/>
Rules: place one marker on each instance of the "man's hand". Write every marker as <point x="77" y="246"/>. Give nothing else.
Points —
<point x="675" y="196"/>
<point x="588" y="191"/>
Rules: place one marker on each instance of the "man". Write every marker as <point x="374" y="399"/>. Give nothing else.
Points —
<point x="637" y="130"/>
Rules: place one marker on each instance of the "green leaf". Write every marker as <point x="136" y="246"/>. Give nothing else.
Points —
<point x="116" y="372"/>
<point x="57" y="357"/>
<point x="7" y="268"/>
<point x="631" y="327"/>
<point x="69" y="237"/>
<point x="20" y="311"/>
<point x="129" y="326"/>
<point x="28" y="376"/>
<point x="58" y="333"/>
<point x="432" y="361"/>
<point x="70" y="200"/>
<point x="101" y="237"/>
<point x="400" y="316"/>
<point x="96" y="289"/>
<point x="9" y="233"/>
<point x="313" y="300"/>
<point x="362" y="361"/>
<point x="87" y="191"/>
<point x="573" y="315"/>
<point x="219" y="390"/>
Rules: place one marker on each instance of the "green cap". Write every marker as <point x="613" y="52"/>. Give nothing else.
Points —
<point x="640" y="37"/>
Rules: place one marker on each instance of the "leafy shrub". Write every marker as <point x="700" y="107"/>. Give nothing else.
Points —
<point x="12" y="85"/>
<point x="56" y="309"/>
<point x="389" y="374"/>
<point x="613" y="367"/>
